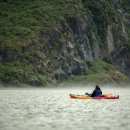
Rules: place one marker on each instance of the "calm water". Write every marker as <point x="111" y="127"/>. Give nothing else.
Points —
<point x="52" y="109"/>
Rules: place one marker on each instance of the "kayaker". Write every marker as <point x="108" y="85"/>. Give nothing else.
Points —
<point x="97" y="92"/>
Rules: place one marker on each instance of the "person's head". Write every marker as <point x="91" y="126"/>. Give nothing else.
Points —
<point x="97" y="87"/>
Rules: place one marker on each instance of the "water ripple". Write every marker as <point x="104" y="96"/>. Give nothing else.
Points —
<point x="54" y="110"/>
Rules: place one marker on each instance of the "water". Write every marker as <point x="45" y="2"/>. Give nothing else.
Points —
<point x="52" y="109"/>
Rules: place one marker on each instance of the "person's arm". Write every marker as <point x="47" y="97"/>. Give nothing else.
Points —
<point x="93" y="94"/>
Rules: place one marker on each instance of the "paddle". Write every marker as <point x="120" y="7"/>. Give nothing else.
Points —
<point x="88" y="94"/>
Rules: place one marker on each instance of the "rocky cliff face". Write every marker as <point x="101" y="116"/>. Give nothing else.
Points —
<point x="64" y="48"/>
<point x="81" y="42"/>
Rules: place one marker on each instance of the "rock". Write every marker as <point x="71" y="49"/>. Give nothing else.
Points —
<point x="59" y="74"/>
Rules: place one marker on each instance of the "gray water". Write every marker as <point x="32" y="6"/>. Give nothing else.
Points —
<point x="52" y="109"/>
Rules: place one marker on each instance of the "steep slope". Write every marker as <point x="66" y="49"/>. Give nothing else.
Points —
<point x="121" y="58"/>
<point x="46" y="41"/>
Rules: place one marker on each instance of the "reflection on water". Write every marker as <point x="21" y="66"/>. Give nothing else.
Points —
<point x="52" y="109"/>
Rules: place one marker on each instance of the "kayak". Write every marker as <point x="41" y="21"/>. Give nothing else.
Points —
<point x="74" y="96"/>
<point x="107" y="97"/>
<point x="80" y="96"/>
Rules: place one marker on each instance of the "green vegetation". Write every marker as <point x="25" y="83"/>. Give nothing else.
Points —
<point x="126" y="6"/>
<point x="103" y="13"/>
<point x="104" y="72"/>
<point x="99" y="72"/>
<point x="21" y="20"/>
<point x="15" y="74"/>
<point x="32" y="33"/>
<point x="128" y="32"/>
<point x="98" y="66"/>
<point x="20" y="24"/>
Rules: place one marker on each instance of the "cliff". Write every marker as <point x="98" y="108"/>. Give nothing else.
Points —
<point x="43" y="42"/>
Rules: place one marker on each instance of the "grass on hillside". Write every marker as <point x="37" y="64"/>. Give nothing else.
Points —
<point x="21" y="20"/>
<point x="99" y="72"/>
<point x="15" y="74"/>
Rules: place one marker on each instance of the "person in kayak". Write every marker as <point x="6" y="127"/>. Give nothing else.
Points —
<point x="97" y="92"/>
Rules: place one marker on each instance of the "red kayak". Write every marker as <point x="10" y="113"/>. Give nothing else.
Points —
<point x="74" y="96"/>
<point x="107" y="97"/>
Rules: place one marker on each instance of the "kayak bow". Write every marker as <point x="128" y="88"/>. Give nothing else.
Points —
<point x="80" y="96"/>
